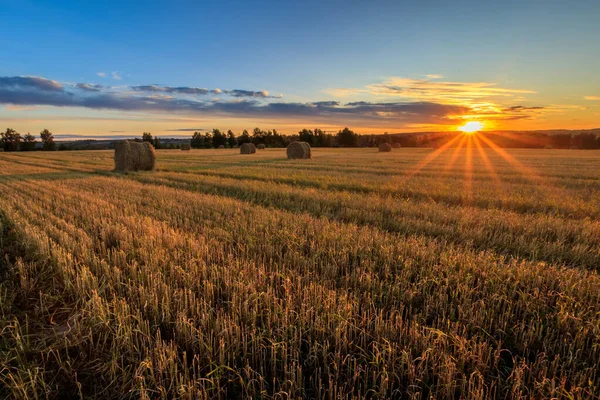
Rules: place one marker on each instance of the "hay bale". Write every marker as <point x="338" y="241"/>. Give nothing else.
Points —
<point x="299" y="150"/>
<point x="221" y="146"/>
<point x="385" y="148"/>
<point x="396" y="145"/>
<point x="186" y="147"/>
<point x="260" y="147"/>
<point x="134" y="156"/>
<point x="248" y="148"/>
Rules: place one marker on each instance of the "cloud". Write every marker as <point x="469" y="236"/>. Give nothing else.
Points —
<point x="202" y="91"/>
<point x="434" y="76"/>
<point x="326" y="103"/>
<point x="249" y="93"/>
<point x="89" y="87"/>
<point x="187" y="130"/>
<point x="427" y="103"/>
<point x="592" y="98"/>
<point x="138" y="100"/>
<point x="171" y="89"/>
<point x="458" y="92"/>
<point x="116" y="75"/>
<point x="101" y="74"/>
<point x="430" y="90"/>
<point x="31" y="82"/>
<point x="522" y="108"/>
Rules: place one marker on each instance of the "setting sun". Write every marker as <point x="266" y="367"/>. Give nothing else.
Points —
<point x="471" y="127"/>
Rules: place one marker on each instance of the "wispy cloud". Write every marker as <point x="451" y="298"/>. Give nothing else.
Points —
<point x="101" y="74"/>
<point x="457" y="92"/>
<point x="89" y="87"/>
<point x="116" y="75"/>
<point x="410" y="102"/>
<point x="484" y="100"/>
<point x="430" y="90"/>
<point x="203" y="91"/>
<point x="30" y="82"/>
<point x="239" y="103"/>
<point x="592" y="98"/>
<point x="187" y="130"/>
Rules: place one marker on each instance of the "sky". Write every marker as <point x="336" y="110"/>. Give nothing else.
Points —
<point x="97" y="69"/>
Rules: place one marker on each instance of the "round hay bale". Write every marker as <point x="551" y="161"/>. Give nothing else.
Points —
<point x="385" y="148"/>
<point x="248" y="148"/>
<point x="396" y="145"/>
<point x="186" y="147"/>
<point x="299" y="150"/>
<point x="260" y="146"/>
<point x="134" y="156"/>
<point x="221" y="146"/>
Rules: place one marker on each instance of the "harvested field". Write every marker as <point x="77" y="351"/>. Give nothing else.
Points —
<point x="433" y="273"/>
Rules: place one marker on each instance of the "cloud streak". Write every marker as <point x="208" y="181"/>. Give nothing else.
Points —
<point x="186" y="90"/>
<point x="416" y="102"/>
<point x="243" y="103"/>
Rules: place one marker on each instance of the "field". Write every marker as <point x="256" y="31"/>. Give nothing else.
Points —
<point x="418" y="273"/>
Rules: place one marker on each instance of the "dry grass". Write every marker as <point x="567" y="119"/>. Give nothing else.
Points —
<point x="345" y="276"/>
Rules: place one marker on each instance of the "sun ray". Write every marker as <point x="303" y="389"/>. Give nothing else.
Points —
<point x="469" y="171"/>
<point x="510" y="159"/>
<point x="542" y="183"/>
<point x="455" y="155"/>
<point x="432" y="156"/>
<point x="488" y="165"/>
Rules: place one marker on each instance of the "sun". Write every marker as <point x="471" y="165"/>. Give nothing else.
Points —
<point x="471" y="127"/>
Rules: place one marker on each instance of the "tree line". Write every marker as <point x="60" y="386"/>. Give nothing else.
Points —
<point x="272" y="138"/>
<point x="11" y="140"/>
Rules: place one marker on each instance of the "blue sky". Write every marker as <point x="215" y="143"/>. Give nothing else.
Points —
<point x="544" y="55"/>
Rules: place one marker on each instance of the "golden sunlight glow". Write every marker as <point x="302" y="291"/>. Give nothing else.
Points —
<point x="471" y="127"/>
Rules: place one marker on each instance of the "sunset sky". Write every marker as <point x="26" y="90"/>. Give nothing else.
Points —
<point x="106" y="68"/>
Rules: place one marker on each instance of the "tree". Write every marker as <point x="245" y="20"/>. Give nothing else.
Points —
<point x="347" y="138"/>
<point x="147" y="137"/>
<point x="258" y="136"/>
<point x="306" y="135"/>
<point x="11" y="140"/>
<point x="231" y="139"/>
<point x="218" y="139"/>
<point x="47" y="140"/>
<point x="244" y="138"/>
<point x="323" y="139"/>
<point x="156" y="143"/>
<point x="28" y="142"/>
<point x="197" y="141"/>
<point x="277" y="140"/>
